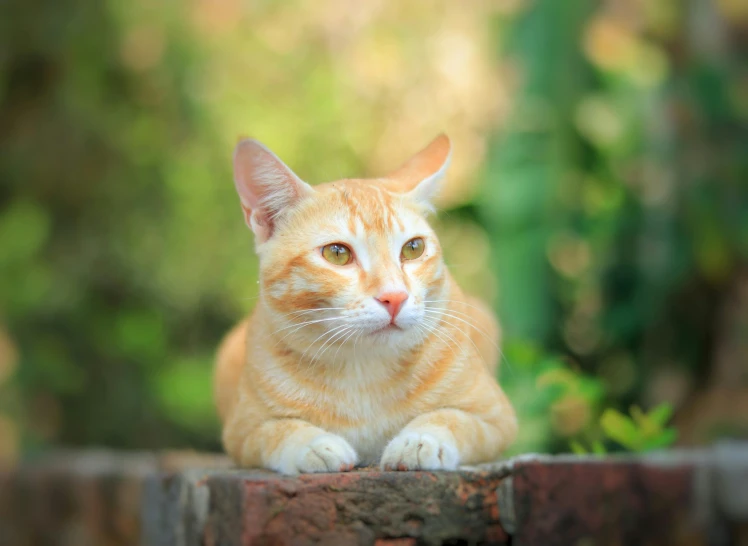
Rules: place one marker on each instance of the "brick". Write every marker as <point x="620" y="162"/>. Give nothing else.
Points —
<point x="185" y="499"/>
<point x="367" y="507"/>
<point x="73" y="500"/>
<point x="598" y="501"/>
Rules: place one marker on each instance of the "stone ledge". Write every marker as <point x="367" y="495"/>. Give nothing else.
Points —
<point x="100" y="497"/>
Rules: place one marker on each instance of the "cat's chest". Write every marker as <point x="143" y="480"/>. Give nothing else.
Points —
<point x="359" y="406"/>
<point x="374" y="421"/>
<point x="367" y="412"/>
<point x="369" y="419"/>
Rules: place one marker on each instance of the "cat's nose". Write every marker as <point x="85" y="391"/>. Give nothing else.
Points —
<point x="393" y="301"/>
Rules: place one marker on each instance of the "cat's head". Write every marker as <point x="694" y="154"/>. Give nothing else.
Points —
<point x="351" y="262"/>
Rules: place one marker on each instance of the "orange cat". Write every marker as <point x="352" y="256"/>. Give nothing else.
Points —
<point x="361" y="349"/>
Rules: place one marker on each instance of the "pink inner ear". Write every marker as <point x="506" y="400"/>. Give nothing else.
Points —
<point x="422" y="165"/>
<point x="247" y="216"/>
<point x="252" y="163"/>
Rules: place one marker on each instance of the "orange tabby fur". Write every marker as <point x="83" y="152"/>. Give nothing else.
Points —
<point x="318" y="378"/>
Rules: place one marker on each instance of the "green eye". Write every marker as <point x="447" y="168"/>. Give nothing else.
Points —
<point x="413" y="249"/>
<point x="337" y="254"/>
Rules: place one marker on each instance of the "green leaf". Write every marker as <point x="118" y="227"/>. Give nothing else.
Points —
<point x="638" y="415"/>
<point x="665" y="439"/>
<point x="647" y="427"/>
<point x="577" y="448"/>
<point x="591" y="389"/>
<point x="661" y="414"/>
<point x="598" y="448"/>
<point x="621" y="428"/>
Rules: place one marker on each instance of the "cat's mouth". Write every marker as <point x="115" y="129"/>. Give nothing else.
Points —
<point x="391" y="327"/>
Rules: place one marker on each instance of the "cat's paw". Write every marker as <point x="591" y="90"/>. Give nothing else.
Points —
<point x="324" y="453"/>
<point x="419" y="451"/>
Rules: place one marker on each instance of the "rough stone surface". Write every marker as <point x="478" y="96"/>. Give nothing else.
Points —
<point x="604" y="503"/>
<point x="93" y="499"/>
<point x="368" y="507"/>
<point x="185" y="499"/>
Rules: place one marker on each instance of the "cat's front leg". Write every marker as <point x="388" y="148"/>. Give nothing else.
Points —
<point x="290" y="446"/>
<point x="445" y="438"/>
<point x="415" y="448"/>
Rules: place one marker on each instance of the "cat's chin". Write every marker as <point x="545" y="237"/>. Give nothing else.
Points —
<point x="387" y="329"/>
<point x="392" y="336"/>
<point x="386" y="334"/>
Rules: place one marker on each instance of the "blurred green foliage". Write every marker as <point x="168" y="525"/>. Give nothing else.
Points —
<point x="616" y="201"/>
<point x="639" y="433"/>
<point x="642" y="431"/>
<point x="611" y="212"/>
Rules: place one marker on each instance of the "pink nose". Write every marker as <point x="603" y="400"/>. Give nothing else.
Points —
<point x="393" y="301"/>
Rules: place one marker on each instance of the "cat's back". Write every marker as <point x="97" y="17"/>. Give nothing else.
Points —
<point x="230" y="361"/>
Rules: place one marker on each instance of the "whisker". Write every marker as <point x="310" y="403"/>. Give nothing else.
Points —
<point x="453" y="314"/>
<point x="292" y="325"/>
<point x="303" y="325"/>
<point x="456" y="314"/>
<point x="443" y="314"/>
<point x="340" y="341"/>
<point x="436" y="325"/>
<point x="307" y="323"/>
<point x="443" y="331"/>
<point x="459" y="302"/>
<point x="328" y="332"/>
<point x="439" y="310"/>
<point x="423" y="331"/>
<point x="302" y="312"/>
<point x="305" y="311"/>
<point x="355" y="342"/>
<point x="435" y="330"/>
<point x="334" y="359"/>
<point x="327" y="344"/>
<point x="334" y="332"/>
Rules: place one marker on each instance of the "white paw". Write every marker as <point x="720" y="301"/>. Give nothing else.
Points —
<point x="419" y="451"/>
<point x="324" y="453"/>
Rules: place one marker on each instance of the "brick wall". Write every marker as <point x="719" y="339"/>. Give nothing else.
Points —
<point x="93" y="498"/>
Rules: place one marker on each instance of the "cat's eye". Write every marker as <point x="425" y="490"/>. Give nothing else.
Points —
<point x="337" y="254"/>
<point x="413" y="249"/>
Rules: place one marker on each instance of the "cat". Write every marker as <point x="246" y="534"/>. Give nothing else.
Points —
<point x="361" y="348"/>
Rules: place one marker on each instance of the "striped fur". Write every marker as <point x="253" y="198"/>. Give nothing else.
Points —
<point x="316" y="379"/>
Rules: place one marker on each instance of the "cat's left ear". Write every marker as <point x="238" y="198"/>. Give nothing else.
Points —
<point x="419" y="178"/>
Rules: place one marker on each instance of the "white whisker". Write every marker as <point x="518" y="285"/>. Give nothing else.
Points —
<point x="327" y="344"/>
<point x="434" y="328"/>
<point x="355" y="330"/>
<point x="355" y="342"/>
<point x="328" y="332"/>
<point x="442" y="314"/>
<point x="305" y="311"/>
<point x="457" y="302"/>
<point x="334" y="332"/>
<point x="302" y="325"/>
<point x="452" y="313"/>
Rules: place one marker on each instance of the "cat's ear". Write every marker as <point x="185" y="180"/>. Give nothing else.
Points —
<point x="266" y="186"/>
<point x="420" y="176"/>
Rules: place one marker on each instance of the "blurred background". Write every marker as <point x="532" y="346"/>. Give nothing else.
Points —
<point x="598" y="199"/>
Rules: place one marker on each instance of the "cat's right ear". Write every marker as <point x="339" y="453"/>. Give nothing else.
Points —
<point x="267" y="188"/>
<point x="420" y="177"/>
